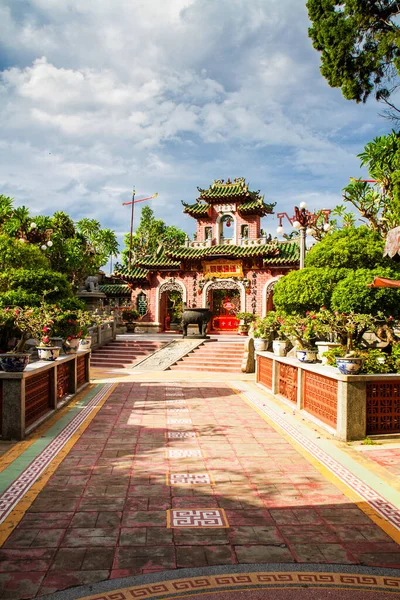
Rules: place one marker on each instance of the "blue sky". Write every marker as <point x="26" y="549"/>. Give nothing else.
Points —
<point x="167" y="95"/>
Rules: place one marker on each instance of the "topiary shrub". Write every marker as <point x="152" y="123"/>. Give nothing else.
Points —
<point x="351" y="294"/>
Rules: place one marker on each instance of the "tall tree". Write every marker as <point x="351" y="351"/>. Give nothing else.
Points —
<point x="150" y="234"/>
<point x="379" y="204"/>
<point x="359" y="45"/>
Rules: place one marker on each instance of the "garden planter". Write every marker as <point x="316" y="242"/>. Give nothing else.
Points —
<point x="349" y="366"/>
<point x="324" y="347"/>
<point x="307" y="356"/>
<point x="260" y="345"/>
<point x="279" y="347"/>
<point x="14" y="363"/>
<point x="48" y="352"/>
<point x="71" y="346"/>
<point x="85" y="343"/>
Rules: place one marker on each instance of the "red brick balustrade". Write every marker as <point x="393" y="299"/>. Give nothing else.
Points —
<point x="37" y="396"/>
<point x="353" y="406"/>
<point x="383" y="407"/>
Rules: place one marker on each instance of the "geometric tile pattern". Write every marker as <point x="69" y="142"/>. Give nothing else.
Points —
<point x="189" y="479"/>
<point x="385" y="508"/>
<point x="177" y="435"/>
<point x="178" y="453"/>
<point x="175" y="401"/>
<point x="265" y="581"/>
<point x="197" y="517"/>
<point x="12" y="495"/>
<point x="179" y="421"/>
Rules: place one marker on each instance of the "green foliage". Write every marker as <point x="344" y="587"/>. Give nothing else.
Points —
<point x="72" y="303"/>
<point x="19" y="298"/>
<point x="355" y="248"/>
<point x="358" y="41"/>
<point x="36" y="282"/>
<point x="376" y="361"/>
<point x="130" y="314"/>
<point x="150" y="234"/>
<point x="352" y="293"/>
<point x="246" y="317"/>
<point x="16" y="255"/>
<point x="331" y="355"/>
<point x="307" y="289"/>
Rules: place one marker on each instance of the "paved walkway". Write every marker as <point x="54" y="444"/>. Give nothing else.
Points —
<point x="139" y="478"/>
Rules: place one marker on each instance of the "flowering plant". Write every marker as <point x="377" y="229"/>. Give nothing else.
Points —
<point x="347" y="328"/>
<point x="71" y="325"/>
<point x="34" y="322"/>
<point x="271" y="324"/>
<point x="303" y="332"/>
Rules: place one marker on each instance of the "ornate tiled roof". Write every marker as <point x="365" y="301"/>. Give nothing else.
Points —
<point x="162" y="262"/>
<point x="289" y="254"/>
<point x="282" y="253"/>
<point x="199" y="209"/>
<point x="115" y="289"/>
<point x="132" y="274"/>
<point x="225" y="190"/>
<point x="224" y="250"/>
<point x="258" y="207"/>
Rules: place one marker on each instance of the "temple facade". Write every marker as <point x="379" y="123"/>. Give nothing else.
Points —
<point x="231" y="265"/>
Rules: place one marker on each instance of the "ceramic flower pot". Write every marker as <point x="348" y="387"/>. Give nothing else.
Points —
<point x="324" y="347"/>
<point x="48" y="352"/>
<point x="14" y="363"/>
<point x="307" y="356"/>
<point x="260" y="345"/>
<point x="85" y="343"/>
<point x="279" y="347"/>
<point x="349" y="366"/>
<point x="71" y="346"/>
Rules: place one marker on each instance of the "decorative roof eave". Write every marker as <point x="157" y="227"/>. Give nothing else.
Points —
<point x="257" y="207"/>
<point x="221" y="191"/>
<point x="115" y="289"/>
<point x="289" y="254"/>
<point x="132" y="274"/>
<point x="224" y="251"/>
<point x="199" y="210"/>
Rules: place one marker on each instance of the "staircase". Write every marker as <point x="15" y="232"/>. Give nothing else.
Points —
<point x="122" y="354"/>
<point x="213" y="356"/>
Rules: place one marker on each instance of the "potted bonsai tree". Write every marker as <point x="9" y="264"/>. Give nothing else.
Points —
<point x="14" y="360"/>
<point x="67" y="325"/>
<point x="246" y="319"/>
<point x="129" y="315"/>
<point x="38" y="323"/>
<point x="303" y="333"/>
<point x="266" y="329"/>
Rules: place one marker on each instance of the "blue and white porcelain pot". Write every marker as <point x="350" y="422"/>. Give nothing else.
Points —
<point x="307" y="356"/>
<point x="48" y="352"/>
<point x="71" y="346"/>
<point x="349" y="366"/>
<point x="85" y="343"/>
<point x="14" y="363"/>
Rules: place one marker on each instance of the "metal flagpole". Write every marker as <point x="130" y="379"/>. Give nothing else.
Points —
<point x="133" y="202"/>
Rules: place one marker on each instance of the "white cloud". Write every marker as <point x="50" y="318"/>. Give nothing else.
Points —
<point x="168" y="94"/>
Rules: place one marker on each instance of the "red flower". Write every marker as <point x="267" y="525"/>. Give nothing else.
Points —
<point x="46" y="329"/>
<point x="16" y="311"/>
<point x="69" y="338"/>
<point x="45" y="340"/>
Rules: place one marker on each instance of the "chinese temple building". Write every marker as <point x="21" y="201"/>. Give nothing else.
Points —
<point x="230" y="266"/>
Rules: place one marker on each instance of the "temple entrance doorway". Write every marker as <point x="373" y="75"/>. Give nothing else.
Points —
<point x="171" y="296"/>
<point x="224" y="304"/>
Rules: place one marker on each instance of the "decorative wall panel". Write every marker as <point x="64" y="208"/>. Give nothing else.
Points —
<point x="320" y="397"/>
<point x="82" y="370"/>
<point x="383" y="407"/>
<point x="265" y="366"/>
<point x="63" y="380"/>
<point x="288" y="382"/>
<point x="37" y="396"/>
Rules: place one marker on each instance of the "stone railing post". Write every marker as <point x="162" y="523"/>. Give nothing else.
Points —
<point x="13" y="426"/>
<point x="351" y="410"/>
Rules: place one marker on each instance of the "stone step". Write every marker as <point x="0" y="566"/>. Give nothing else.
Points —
<point x="211" y="361"/>
<point x="112" y="352"/>
<point x="214" y="369"/>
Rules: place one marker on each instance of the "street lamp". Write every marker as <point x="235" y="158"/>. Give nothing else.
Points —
<point x="304" y="220"/>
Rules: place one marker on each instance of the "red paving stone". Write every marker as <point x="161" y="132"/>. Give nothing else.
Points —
<point x="102" y="514"/>
<point x="386" y="457"/>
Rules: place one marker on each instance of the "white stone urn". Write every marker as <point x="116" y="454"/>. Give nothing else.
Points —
<point x="324" y="347"/>
<point x="279" y="347"/>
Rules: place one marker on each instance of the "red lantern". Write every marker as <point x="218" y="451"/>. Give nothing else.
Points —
<point x="228" y="223"/>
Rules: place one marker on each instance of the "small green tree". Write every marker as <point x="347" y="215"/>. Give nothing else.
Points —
<point x="150" y="234"/>
<point x="351" y="294"/>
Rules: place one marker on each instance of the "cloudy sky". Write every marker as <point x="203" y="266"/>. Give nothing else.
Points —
<point x="167" y="95"/>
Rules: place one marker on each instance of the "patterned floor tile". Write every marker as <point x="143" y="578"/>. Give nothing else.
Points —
<point x="179" y="421"/>
<point x="178" y="453"/>
<point x="176" y="435"/>
<point x="197" y="517"/>
<point x="189" y="479"/>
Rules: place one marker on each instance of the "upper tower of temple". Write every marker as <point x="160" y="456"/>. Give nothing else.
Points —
<point x="228" y="213"/>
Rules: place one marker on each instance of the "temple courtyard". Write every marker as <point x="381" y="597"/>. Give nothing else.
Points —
<point x="195" y="484"/>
